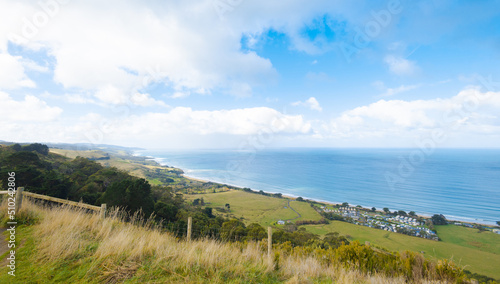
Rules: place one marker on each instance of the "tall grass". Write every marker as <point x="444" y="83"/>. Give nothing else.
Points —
<point x="114" y="251"/>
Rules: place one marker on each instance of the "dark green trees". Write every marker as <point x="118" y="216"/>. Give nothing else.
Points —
<point x="233" y="230"/>
<point x="132" y="194"/>
<point x="439" y="219"/>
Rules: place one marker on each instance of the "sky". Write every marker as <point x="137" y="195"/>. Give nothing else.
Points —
<point x="251" y="74"/>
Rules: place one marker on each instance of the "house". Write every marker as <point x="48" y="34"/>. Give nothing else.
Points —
<point x="496" y="231"/>
<point x="281" y="222"/>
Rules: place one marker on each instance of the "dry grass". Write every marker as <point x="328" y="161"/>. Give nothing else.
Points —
<point x="119" y="251"/>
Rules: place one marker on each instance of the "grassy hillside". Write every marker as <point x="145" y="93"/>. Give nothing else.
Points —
<point x="472" y="238"/>
<point x="68" y="246"/>
<point x="253" y="208"/>
<point x="474" y="260"/>
<point x="478" y="252"/>
<point x="256" y="208"/>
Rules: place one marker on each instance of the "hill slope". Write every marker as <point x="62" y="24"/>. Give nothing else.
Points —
<point x="70" y="246"/>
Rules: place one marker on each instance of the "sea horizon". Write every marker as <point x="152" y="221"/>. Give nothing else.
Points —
<point x="459" y="183"/>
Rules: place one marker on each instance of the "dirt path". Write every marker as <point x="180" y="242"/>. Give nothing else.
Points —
<point x="293" y="211"/>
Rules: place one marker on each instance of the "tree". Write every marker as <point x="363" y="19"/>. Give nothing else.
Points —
<point x="386" y="210"/>
<point x="166" y="211"/>
<point x="345" y="204"/>
<point x="198" y="201"/>
<point x="439" y="219"/>
<point x="208" y="211"/>
<point x="412" y="213"/>
<point x="256" y="232"/>
<point x="302" y="199"/>
<point x="37" y="147"/>
<point x="498" y="223"/>
<point x="402" y="213"/>
<point x="374" y="209"/>
<point x="16" y="147"/>
<point x="233" y="230"/>
<point x="335" y="240"/>
<point x="132" y="194"/>
<point x="228" y="207"/>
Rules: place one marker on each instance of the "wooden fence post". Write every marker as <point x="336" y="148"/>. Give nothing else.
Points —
<point x="269" y="242"/>
<point x="190" y="223"/>
<point x="19" y="198"/>
<point x="103" y="211"/>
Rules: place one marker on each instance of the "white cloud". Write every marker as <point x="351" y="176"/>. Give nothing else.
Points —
<point x="400" y="66"/>
<point x="110" y="94"/>
<point x="248" y="121"/>
<point x="470" y="109"/>
<point x="182" y="126"/>
<point x="31" y="109"/>
<point x="146" y="100"/>
<point x="178" y="95"/>
<point x="184" y="45"/>
<point x="311" y="103"/>
<point x="78" y="99"/>
<point x="12" y="73"/>
<point x="179" y="127"/>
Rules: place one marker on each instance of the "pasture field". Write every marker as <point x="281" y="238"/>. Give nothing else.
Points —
<point x="254" y="208"/>
<point x="473" y="258"/>
<point x="468" y="237"/>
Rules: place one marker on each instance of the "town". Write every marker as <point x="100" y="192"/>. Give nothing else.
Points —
<point x="398" y="224"/>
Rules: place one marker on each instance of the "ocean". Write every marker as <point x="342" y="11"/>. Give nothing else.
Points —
<point x="462" y="184"/>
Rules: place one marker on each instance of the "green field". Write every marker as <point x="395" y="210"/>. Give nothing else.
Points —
<point x="305" y="209"/>
<point x="471" y="258"/>
<point x="254" y="208"/>
<point x="471" y="238"/>
<point x="476" y="252"/>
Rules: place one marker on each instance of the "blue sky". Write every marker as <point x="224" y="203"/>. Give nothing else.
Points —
<point x="219" y="73"/>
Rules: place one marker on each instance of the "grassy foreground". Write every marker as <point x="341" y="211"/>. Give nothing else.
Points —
<point x="62" y="245"/>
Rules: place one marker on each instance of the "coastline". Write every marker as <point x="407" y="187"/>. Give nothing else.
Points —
<point x="450" y="218"/>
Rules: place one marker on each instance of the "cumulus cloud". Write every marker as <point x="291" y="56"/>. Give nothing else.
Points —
<point x="31" y="109"/>
<point x="470" y="109"/>
<point x="247" y="121"/>
<point x="183" y="126"/>
<point x="311" y="103"/>
<point x="113" y="95"/>
<point x="12" y="72"/>
<point x="182" y="45"/>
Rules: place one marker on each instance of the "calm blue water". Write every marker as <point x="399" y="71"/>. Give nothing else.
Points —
<point x="461" y="184"/>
